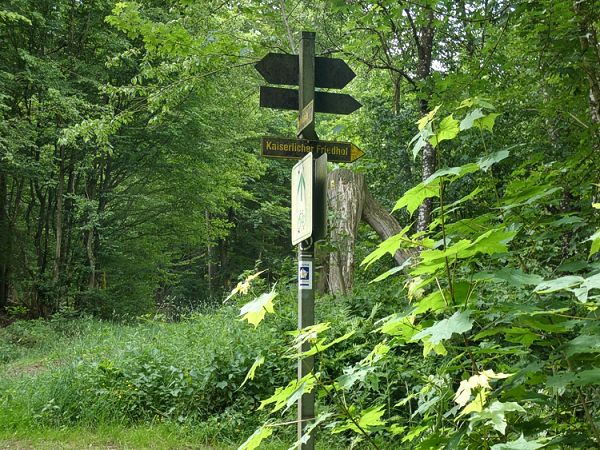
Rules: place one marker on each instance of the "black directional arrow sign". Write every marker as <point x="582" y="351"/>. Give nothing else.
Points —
<point x="279" y="68"/>
<point x="325" y="102"/>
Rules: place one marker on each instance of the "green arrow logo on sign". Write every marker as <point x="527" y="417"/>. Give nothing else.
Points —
<point x="302" y="199"/>
<point x="301" y="187"/>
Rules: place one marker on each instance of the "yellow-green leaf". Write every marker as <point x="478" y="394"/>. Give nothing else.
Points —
<point x="487" y="122"/>
<point x="413" y="198"/>
<point x="250" y="375"/>
<point x="460" y="322"/>
<point x="448" y="129"/>
<point x="423" y="121"/>
<point x="288" y="395"/>
<point x="467" y="122"/>
<point x="257" y="437"/>
<point x="254" y="311"/>
<point x="389" y="246"/>
<point x="369" y="419"/>
<point x="595" y="238"/>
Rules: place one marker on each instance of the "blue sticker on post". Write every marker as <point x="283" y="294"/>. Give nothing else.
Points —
<point x="305" y="274"/>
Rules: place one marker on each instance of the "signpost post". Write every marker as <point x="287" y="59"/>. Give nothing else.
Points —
<point x="309" y="175"/>
<point x="306" y="249"/>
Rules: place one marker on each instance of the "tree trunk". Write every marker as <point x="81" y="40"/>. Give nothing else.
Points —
<point x="349" y="203"/>
<point x="5" y="239"/>
<point x="424" y="42"/>
<point x="59" y="217"/>
<point x="588" y="39"/>
<point x="346" y="197"/>
<point x="90" y="236"/>
<point x="91" y="258"/>
<point x="382" y="222"/>
<point x="210" y="266"/>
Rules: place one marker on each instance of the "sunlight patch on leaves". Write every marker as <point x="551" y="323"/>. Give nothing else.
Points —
<point x="460" y="322"/>
<point x="423" y="121"/>
<point x="519" y="444"/>
<point x="257" y="437"/>
<point x="438" y="349"/>
<point x="290" y="394"/>
<point x="243" y="286"/>
<point x="480" y="380"/>
<point x="595" y="248"/>
<point x="369" y="419"/>
<point x="495" y="414"/>
<point x="254" y="311"/>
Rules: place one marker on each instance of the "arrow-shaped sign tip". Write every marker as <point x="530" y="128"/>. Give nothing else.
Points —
<point x="355" y="153"/>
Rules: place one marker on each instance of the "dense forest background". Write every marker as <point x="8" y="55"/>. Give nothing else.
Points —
<point x="129" y="176"/>
<point x="131" y="184"/>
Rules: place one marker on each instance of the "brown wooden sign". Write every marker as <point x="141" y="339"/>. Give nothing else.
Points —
<point x="274" y="147"/>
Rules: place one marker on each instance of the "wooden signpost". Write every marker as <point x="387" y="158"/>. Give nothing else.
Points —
<point x="309" y="176"/>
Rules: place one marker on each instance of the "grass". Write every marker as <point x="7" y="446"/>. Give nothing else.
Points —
<point x="160" y="436"/>
<point x="85" y="383"/>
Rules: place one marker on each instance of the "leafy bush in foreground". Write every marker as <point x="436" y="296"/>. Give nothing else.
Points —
<point x="184" y="371"/>
<point x="495" y="343"/>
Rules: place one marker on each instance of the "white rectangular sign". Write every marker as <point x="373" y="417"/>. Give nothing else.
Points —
<point x="302" y="195"/>
<point x="305" y="275"/>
